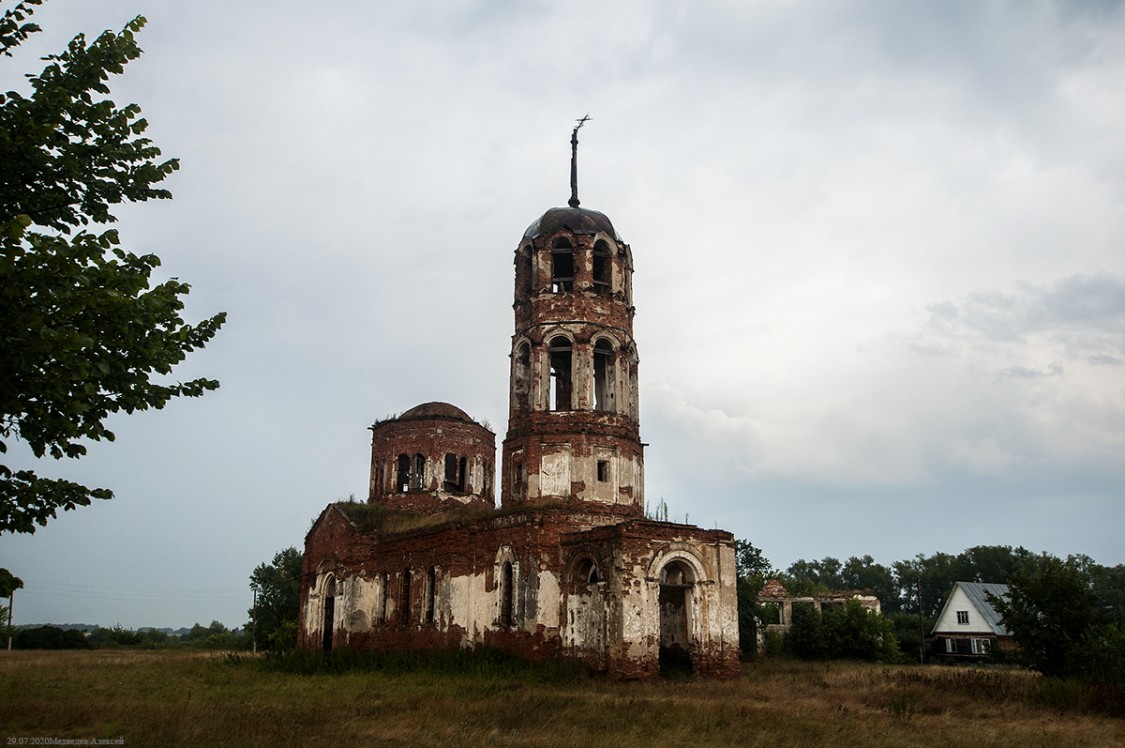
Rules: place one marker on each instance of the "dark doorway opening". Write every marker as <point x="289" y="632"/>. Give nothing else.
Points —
<point x="675" y="620"/>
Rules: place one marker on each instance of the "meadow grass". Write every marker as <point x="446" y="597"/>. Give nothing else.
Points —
<point x="177" y="698"/>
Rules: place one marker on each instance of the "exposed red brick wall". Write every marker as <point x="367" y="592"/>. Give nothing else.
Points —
<point x="433" y="438"/>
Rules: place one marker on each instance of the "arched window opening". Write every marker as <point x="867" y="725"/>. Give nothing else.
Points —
<point x="385" y="613"/>
<point x="525" y="278"/>
<point x="418" y="474"/>
<point x="561" y="376"/>
<point x="562" y="266"/>
<point x="431" y="587"/>
<point x="402" y="481"/>
<point x="605" y="376"/>
<point x="506" y="597"/>
<point x="462" y="475"/>
<point x="521" y="379"/>
<point x="677" y="574"/>
<point x="451" y="482"/>
<point x="329" y="613"/>
<point x="519" y="480"/>
<point x="603" y="269"/>
<point x="633" y="402"/>
<point x="404" y="606"/>
<point x="586" y="572"/>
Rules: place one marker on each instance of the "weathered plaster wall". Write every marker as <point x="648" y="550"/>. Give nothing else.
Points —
<point x="613" y="623"/>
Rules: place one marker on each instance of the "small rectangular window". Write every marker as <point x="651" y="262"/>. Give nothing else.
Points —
<point x="950" y="647"/>
<point x="603" y="470"/>
<point x="962" y="616"/>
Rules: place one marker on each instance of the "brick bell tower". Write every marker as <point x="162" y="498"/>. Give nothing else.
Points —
<point x="573" y="432"/>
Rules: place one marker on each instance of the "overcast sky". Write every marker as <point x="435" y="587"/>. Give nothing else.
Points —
<point x="879" y="250"/>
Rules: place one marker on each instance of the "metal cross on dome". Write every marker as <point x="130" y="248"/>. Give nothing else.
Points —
<point x="573" y="202"/>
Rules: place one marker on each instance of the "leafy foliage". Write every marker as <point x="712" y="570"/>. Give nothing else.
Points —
<point x="278" y="603"/>
<point x="847" y="631"/>
<point x="9" y="583"/>
<point x="1062" y="626"/>
<point x="752" y="569"/>
<point x="50" y="637"/>
<point x="83" y="333"/>
<point x="215" y="636"/>
<point x="933" y="576"/>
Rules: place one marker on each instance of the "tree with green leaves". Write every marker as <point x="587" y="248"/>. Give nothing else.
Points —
<point x="848" y="631"/>
<point x="277" y="595"/>
<point x="865" y="575"/>
<point x="752" y="569"/>
<point x="1054" y="614"/>
<point x="84" y="333"/>
<point x="9" y="583"/>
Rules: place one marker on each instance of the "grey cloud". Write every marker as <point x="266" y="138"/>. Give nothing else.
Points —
<point x="1083" y="314"/>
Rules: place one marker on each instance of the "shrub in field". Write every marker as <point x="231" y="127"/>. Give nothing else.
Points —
<point x="50" y="637"/>
<point x="848" y="631"/>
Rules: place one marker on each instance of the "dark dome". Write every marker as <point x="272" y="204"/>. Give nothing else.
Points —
<point x="578" y="220"/>
<point x="435" y="410"/>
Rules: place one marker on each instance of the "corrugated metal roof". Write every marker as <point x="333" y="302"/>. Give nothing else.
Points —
<point x="978" y="593"/>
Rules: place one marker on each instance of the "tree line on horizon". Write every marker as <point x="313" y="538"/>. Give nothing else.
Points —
<point x="1066" y="615"/>
<point x="86" y="636"/>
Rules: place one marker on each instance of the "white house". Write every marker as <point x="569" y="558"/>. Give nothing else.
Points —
<point x="969" y="627"/>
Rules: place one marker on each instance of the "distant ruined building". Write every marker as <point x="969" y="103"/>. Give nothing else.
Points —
<point x="568" y="566"/>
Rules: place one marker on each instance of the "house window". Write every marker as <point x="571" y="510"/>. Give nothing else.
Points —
<point x="950" y="646"/>
<point x="980" y="646"/>
<point x="562" y="266"/>
<point x="963" y="616"/>
<point x="603" y="470"/>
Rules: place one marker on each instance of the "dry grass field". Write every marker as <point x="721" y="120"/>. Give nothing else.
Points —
<point x="187" y="699"/>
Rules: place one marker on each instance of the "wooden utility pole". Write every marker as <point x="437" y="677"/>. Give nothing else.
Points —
<point x="921" y="626"/>
<point x="11" y="599"/>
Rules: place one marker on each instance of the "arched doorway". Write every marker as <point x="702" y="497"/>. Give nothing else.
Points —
<point x="676" y="579"/>
<point x="329" y="613"/>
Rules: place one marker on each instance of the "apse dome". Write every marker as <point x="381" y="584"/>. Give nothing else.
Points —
<point x="435" y="410"/>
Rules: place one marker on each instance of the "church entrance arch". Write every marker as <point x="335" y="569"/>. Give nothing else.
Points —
<point x="676" y="581"/>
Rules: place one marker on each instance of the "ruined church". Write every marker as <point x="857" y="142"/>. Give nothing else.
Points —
<point x="568" y="566"/>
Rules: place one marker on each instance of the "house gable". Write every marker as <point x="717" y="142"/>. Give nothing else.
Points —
<point x="968" y="610"/>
